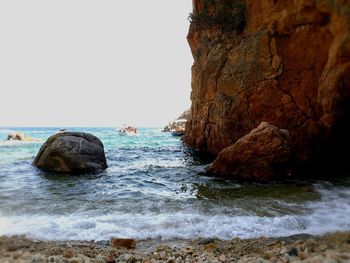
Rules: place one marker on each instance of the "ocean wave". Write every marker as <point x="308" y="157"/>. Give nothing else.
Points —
<point x="327" y="215"/>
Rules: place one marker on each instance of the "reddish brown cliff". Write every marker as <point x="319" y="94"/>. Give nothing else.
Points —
<point x="288" y="65"/>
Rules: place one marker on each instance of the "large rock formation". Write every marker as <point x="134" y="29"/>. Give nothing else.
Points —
<point x="260" y="155"/>
<point x="71" y="152"/>
<point x="283" y="62"/>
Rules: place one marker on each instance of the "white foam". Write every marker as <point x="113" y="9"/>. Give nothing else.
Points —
<point x="329" y="214"/>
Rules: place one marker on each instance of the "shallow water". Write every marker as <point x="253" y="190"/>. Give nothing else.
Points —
<point x="152" y="190"/>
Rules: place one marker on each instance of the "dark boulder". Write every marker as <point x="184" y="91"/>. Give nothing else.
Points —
<point x="71" y="152"/>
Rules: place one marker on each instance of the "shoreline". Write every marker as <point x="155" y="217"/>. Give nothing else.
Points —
<point x="332" y="247"/>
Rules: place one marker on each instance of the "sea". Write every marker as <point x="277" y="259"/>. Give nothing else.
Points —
<point x="154" y="189"/>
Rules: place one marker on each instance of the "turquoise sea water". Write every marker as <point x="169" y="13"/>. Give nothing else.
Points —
<point x="152" y="189"/>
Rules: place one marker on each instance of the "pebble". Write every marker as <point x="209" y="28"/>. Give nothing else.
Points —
<point x="206" y="241"/>
<point x="75" y="260"/>
<point x="210" y="247"/>
<point x="69" y="253"/>
<point x="37" y="258"/>
<point x="55" y="259"/>
<point x="222" y="258"/>
<point x="162" y="255"/>
<point x="293" y="252"/>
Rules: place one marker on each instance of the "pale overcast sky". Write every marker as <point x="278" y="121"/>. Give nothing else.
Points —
<point x="93" y="63"/>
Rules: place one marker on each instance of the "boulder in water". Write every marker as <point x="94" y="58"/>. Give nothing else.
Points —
<point x="71" y="152"/>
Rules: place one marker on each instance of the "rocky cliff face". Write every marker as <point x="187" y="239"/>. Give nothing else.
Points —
<point x="282" y="62"/>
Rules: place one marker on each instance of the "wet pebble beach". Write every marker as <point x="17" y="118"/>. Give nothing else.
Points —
<point x="330" y="248"/>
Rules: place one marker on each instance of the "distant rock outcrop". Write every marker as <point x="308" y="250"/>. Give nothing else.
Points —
<point x="20" y="136"/>
<point x="178" y="126"/>
<point x="282" y="62"/>
<point x="71" y="152"/>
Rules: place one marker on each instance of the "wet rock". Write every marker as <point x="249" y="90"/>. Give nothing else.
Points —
<point x="290" y="66"/>
<point x="258" y="155"/>
<point x="123" y="242"/>
<point x="71" y="152"/>
<point x="205" y="241"/>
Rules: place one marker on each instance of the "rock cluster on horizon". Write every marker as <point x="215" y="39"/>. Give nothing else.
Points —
<point x="20" y="136"/>
<point x="284" y="62"/>
<point x="178" y="126"/>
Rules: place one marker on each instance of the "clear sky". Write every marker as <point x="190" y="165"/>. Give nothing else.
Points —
<point x="93" y="63"/>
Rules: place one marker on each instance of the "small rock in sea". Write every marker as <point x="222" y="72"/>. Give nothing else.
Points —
<point x="19" y="136"/>
<point x="123" y="242"/>
<point x="205" y="241"/>
<point x="71" y="152"/>
<point x="293" y="252"/>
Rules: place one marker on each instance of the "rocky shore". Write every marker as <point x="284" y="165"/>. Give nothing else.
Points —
<point x="330" y="248"/>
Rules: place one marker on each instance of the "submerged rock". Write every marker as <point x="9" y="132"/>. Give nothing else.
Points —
<point x="71" y="152"/>
<point x="256" y="155"/>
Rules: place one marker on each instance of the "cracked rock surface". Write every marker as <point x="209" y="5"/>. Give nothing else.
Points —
<point x="71" y="152"/>
<point x="289" y="67"/>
